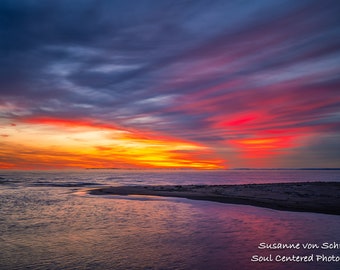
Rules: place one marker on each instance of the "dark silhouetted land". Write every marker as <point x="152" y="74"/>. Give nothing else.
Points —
<point x="317" y="197"/>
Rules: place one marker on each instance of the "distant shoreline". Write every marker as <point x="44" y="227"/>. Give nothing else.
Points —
<point x="316" y="197"/>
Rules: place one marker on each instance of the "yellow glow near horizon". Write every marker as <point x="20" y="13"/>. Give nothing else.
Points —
<point x="57" y="144"/>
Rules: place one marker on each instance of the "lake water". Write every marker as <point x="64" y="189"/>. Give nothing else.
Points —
<point x="48" y="221"/>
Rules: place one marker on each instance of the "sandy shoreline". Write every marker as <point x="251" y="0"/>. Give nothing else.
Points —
<point x="317" y="197"/>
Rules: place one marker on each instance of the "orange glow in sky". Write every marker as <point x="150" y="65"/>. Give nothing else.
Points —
<point x="58" y="143"/>
<point x="264" y="143"/>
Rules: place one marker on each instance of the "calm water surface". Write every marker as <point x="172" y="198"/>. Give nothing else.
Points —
<point x="48" y="221"/>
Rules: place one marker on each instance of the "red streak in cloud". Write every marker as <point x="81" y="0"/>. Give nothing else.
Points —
<point x="240" y="120"/>
<point x="68" y="122"/>
<point x="57" y="121"/>
<point x="6" y="165"/>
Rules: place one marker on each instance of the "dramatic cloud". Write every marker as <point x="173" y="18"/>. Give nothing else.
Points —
<point x="203" y="84"/>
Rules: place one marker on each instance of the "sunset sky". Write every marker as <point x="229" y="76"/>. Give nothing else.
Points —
<point x="169" y="84"/>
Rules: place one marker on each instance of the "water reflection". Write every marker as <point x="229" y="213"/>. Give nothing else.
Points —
<point x="44" y="228"/>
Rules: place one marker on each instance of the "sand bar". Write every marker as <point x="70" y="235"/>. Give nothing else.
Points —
<point x="317" y="197"/>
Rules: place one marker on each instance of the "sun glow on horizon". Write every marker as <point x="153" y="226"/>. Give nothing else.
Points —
<point x="58" y="143"/>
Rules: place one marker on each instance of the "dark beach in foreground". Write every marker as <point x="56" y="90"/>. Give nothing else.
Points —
<point x="317" y="197"/>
